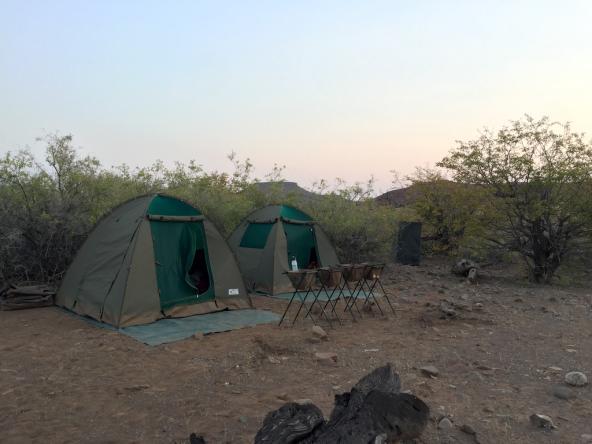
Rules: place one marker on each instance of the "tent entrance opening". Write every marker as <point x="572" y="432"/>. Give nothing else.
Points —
<point x="302" y="244"/>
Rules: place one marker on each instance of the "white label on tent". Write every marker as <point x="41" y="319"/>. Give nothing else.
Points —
<point x="233" y="291"/>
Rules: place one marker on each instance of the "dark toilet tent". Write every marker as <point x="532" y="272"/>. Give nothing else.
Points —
<point x="152" y="257"/>
<point x="268" y="238"/>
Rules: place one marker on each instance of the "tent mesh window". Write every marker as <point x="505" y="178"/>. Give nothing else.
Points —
<point x="294" y="214"/>
<point x="256" y="235"/>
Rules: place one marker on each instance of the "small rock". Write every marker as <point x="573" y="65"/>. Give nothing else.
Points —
<point x="586" y="438"/>
<point x="445" y="424"/>
<point x="562" y="392"/>
<point x="478" y="306"/>
<point x="367" y="307"/>
<point x="274" y="360"/>
<point x="303" y="401"/>
<point x="518" y="300"/>
<point x="380" y="439"/>
<point x="542" y="421"/>
<point x="555" y="369"/>
<point x="448" y="310"/>
<point x="468" y="429"/>
<point x="464" y="266"/>
<point x="316" y="309"/>
<point x="577" y="379"/>
<point x="283" y="397"/>
<point x="198" y="335"/>
<point x="242" y="419"/>
<point x="429" y="370"/>
<point x="318" y="332"/>
<point x="326" y="357"/>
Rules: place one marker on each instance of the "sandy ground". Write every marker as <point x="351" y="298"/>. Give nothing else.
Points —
<point x="63" y="380"/>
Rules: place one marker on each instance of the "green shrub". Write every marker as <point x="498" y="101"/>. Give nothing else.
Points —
<point x="48" y="207"/>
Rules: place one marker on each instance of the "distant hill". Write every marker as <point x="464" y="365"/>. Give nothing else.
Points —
<point x="286" y="188"/>
<point x="409" y="195"/>
<point x="397" y="198"/>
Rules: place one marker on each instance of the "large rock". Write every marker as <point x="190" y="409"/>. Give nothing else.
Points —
<point x="563" y="392"/>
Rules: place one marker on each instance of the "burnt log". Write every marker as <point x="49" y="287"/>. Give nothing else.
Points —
<point x="291" y="423"/>
<point x="195" y="439"/>
<point x="396" y="416"/>
<point x="383" y="379"/>
<point x="373" y="408"/>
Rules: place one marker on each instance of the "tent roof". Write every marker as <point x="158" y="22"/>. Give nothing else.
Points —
<point x="272" y="212"/>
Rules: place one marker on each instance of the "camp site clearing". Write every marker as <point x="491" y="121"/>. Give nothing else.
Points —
<point x="65" y="380"/>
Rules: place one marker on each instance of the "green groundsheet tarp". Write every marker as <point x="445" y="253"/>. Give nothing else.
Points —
<point x="171" y="330"/>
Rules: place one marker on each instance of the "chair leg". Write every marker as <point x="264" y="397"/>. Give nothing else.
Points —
<point x="386" y="296"/>
<point x="333" y="303"/>
<point x="347" y="300"/>
<point x="316" y="301"/>
<point x="288" y="307"/>
<point x="302" y="302"/>
<point x="359" y="284"/>
<point x="372" y="295"/>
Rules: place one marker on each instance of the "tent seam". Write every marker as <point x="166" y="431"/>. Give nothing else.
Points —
<point x="127" y="251"/>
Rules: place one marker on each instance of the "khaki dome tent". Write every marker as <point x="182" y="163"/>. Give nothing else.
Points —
<point x="152" y="257"/>
<point x="268" y="238"/>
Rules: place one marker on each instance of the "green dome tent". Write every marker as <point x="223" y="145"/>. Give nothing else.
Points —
<point x="150" y="258"/>
<point x="268" y="238"/>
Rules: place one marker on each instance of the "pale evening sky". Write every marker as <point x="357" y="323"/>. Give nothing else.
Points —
<point x="328" y="88"/>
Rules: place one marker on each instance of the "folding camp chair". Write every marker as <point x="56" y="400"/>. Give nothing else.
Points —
<point x="371" y="281"/>
<point x="330" y="279"/>
<point x="352" y="274"/>
<point x="302" y="280"/>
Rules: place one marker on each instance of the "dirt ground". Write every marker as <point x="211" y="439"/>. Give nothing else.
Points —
<point x="500" y="356"/>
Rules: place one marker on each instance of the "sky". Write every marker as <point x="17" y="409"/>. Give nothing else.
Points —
<point x="347" y="89"/>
